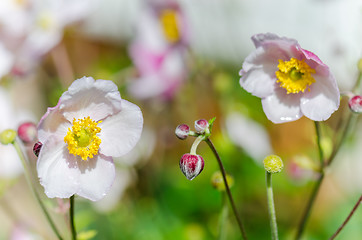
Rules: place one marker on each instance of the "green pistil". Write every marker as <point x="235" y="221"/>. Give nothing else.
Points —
<point x="295" y="75"/>
<point x="83" y="139"/>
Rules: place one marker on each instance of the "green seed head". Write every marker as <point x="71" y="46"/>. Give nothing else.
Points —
<point x="7" y="136"/>
<point x="273" y="164"/>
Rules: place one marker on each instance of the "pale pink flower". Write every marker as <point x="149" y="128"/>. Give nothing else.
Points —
<point x="89" y="126"/>
<point x="158" y="51"/>
<point x="291" y="81"/>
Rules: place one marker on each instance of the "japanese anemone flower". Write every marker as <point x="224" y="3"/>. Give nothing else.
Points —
<point x="291" y="81"/>
<point x="89" y="126"/>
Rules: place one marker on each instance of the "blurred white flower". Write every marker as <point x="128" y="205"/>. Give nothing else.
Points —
<point x="249" y="135"/>
<point x="31" y="28"/>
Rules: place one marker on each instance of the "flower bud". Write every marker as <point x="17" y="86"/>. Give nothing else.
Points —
<point x="37" y="148"/>
<point x="7" y="136"/>
<point x="182" y="131"/>
<point x="273" y="164"/>
<point x="191" y="165"/>
<point x="27" y="132"/>
<point x="355" y="104"/>
<point x="201" y="125"/>
<point x="217" y="181"/>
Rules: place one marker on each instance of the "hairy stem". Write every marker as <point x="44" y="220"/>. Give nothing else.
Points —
<point x="347" y="219"/>
<point x="271" y="207"/>
<point x="238" y="219"/>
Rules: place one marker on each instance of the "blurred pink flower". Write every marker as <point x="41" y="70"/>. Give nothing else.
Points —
<point x="158" y="51"/>
<point x="291" y="81"/>
<point x="21" y="232"/>
<point x="90" y="125"/>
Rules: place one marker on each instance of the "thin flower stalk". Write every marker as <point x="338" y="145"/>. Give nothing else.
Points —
<point x="71" y="215"/>
<point x="271" y="207"/>
<point x="350" y="121"/>
<point x="33" y="190"/>
<point x="347" y="219"/>
<point x="238" y="219"/>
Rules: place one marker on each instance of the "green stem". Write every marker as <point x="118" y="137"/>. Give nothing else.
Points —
<point x="271" y="207"/>
<point x="196" y="143"/>
<point x="33" y="190"/>
<point x="316" y="188"/>
<point x="223" y="217"/>
<point x="238" y="219"/>
<point x="71" y="214"/>
<point x="320" y="150"/>
<point x="347" y="219"/>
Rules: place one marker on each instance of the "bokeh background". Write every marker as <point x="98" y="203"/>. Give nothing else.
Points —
<point x="179" y="66"/>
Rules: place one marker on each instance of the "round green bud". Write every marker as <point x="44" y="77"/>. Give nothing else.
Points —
<point x="7" y="136"/>
<point x="217" y="181"/>
<point x="273" y="164"/>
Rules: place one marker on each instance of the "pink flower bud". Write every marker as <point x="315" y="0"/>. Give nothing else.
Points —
<point x="355" y="104"/>
<point x="37" y="148"/>
<point x="182" y="131"/>
<point x="27" y="132"/>
<point x="191" y="165"/>
<point x="201" y="125"/>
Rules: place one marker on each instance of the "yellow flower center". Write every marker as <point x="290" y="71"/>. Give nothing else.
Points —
<point x="45" y="21"/>
<point x="168" y="19"/>
<point x="294" y="75"/>
<point x="81" y="138"/>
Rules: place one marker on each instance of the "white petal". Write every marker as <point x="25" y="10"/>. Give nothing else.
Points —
<point x="258" y="82"/>
<point x="258" y="72"/>
<point x="281" y="107"/>
<point x="52" y="124"/>
<point x="322" y="100"/>
<point x="86" y="97"/>
<point x="121" y="132"/>
<point x="122" y="180"/>
<point x="57" y="170"/>
<point x="96" y="177"/>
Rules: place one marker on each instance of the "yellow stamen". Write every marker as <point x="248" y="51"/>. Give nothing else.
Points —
<point x="45" y="21"/>
<point x="81" y="138"/>
<point x="20" y="2"/>
<point x="169" y="24"/>
<point x="294" y="75"/>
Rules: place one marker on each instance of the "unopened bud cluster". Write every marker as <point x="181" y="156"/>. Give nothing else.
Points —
<point x="182" y="131"/>
<point x="192" y="164"/>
